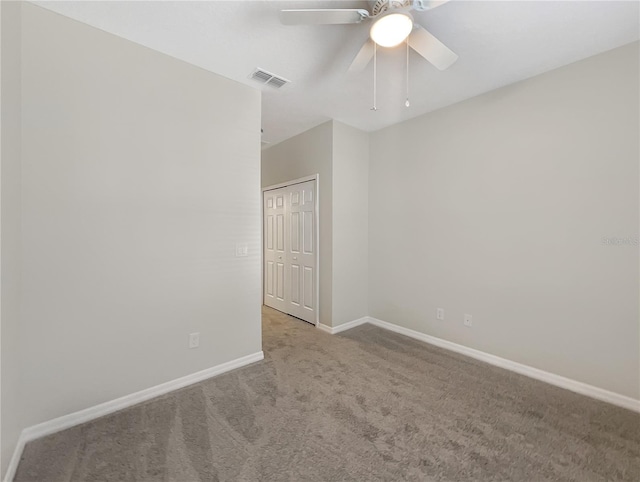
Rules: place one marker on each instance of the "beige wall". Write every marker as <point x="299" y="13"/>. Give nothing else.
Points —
<point x="304" y="155"/>
<point x="350" y="223"/>
<point x="139" y="175"/>
<point x="498" y="207"/>
<point x="11" y="416"/>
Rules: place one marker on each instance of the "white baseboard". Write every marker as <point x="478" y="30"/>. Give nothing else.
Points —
<point x="15" y="460"/>
<point x="106" y="408"/>
<point x="345" y="326"/>
<point x="325" y="328"/>
<point x="551" y="378"/>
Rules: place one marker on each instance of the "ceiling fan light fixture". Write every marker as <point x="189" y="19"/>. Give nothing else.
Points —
<point x="391" y="29"/>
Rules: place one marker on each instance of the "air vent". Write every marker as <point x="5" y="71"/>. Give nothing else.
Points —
<point x="268" y="78"/>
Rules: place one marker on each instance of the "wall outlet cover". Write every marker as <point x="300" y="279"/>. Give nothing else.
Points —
<point x="468" y="321"/>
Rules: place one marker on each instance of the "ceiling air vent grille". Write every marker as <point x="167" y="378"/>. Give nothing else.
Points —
<point x="268" y="78"/>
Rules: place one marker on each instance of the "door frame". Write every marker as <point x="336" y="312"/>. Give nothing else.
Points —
<point x="316" y="178"/>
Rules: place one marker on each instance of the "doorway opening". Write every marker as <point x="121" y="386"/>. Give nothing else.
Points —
<point x="290" y="267"/>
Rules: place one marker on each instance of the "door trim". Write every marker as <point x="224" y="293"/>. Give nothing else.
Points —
<point x="316" y="178"/>
<point x="300" y="180"/>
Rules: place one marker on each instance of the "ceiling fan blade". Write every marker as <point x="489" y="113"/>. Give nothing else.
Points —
<point x="323" y="16"/>
<point x="431" y="48"/>
<point x="363" y="58"/>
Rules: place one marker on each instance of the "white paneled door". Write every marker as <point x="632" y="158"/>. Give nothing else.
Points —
<point x="290" y="250"/>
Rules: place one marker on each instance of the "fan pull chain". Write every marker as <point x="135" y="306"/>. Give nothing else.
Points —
<point x="407" y="103"/>
<point x="375" y="75"/>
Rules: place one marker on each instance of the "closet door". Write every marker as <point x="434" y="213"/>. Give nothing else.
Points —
<point x="300" y="280"/>
<point x="274" y="249"/>
<point x="290" y="251"/>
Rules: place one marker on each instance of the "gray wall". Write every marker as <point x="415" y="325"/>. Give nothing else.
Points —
<point x="139" y="175"/>
<point x="350" y="223"/>
<point x="10" y="253"/>
<point x="498" y="207"/>
<point x="304" y="155"/>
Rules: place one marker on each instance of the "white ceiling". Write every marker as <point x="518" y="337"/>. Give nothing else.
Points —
<point x="498" y="43"/>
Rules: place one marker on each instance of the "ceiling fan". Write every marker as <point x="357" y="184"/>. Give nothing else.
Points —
<point x="392" y="24"/>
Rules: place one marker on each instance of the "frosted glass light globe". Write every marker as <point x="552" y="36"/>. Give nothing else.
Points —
<point x="391" y="29"/>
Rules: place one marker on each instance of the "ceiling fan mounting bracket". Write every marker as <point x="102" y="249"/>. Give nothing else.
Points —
<point x="381" y="6"/>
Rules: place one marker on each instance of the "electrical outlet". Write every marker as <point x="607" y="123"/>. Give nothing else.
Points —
<point x="242" y="249"/>
<point x="194" y="340"/>
<point x="440" y="314"/>
<point x="467" y="320"/>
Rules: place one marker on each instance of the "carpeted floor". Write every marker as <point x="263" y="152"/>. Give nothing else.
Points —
<point x="366" y="405"/>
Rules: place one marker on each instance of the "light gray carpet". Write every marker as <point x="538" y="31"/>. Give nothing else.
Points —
<point x="366" y="405"/>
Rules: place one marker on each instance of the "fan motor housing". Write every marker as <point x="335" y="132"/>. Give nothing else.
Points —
<point x="381" y="6"/>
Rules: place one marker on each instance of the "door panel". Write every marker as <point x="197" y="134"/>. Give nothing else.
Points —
<point x="289" y="250"/>
<point x="268" y="285"/>
<point x="308" y="198"/>
<point x="280" y="232"/>
<point x="269" y="233"/>
<point x="280" y="282"/>
<point x="295" y="284"/>
<point x="309" y="292"/>
<point x="308" y="232"/>
<point x="295" y="232"/>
